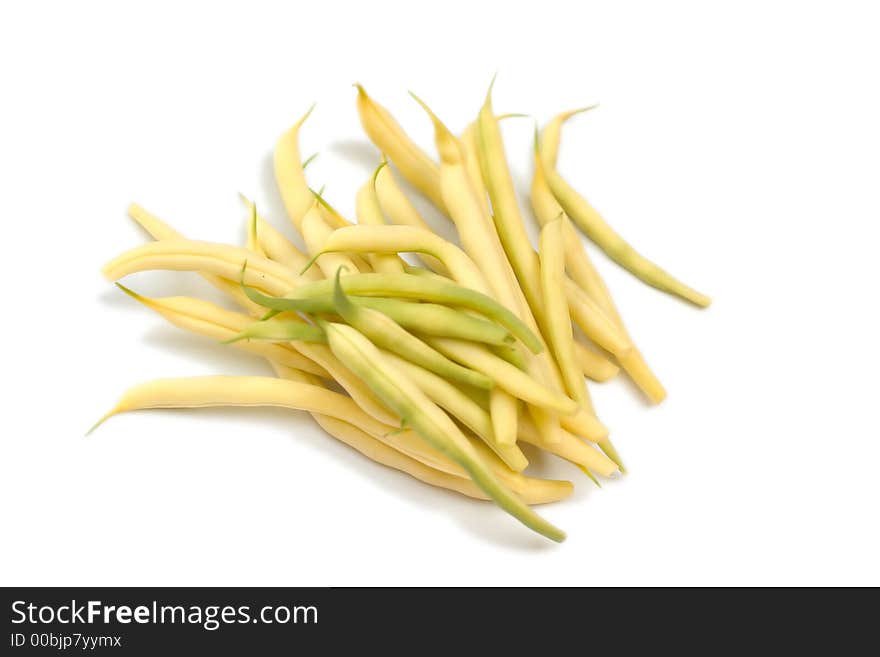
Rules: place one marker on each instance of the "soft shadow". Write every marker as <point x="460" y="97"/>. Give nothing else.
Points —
<point x="356" y="150"/>
<point x="481" y="519"/>
<point x="113" y="297"/>
<point x="200" y="349"/>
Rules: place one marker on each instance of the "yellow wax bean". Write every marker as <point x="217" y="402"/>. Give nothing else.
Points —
<point x="592" y="321"/>
<point x="289" y="174"/>
<point x="377" y="447"/>
<point x="212" y="391"/>
<point x="578" y="263"/>
<point x="160" y="230"/>
<point x="357" y="390"/>
<point x="316" y="233"/>
<point x="506" y="376"/>
<point x="504" y="414"/>
<point x="611" y="452"/>
<point x="478" y="238"/>
<point x="505" y="208"/>
<point x="593" y="365"/>
<point x="385" y="132"/>
<point x="460" y="406"/>
<point x="531" y="490"/>
<point x="405" y="442"/>
<point x="277" y="247"/>
<point x="559" y="332"/>
<point x="401" y="212"/>
<point x="428" y="420"/>
<point x="570" y="448"/>
<point x="212" y="321"/>
<point x="376" y="451"/>
<point x="547" y="208"/>
<point x="469" y="142"/>
<point x="528" y="489"/>
<point x="551" y="135"/>
<point x="330" y="215"/>
<point x="594" y="226"/>
<point x="208" y="257"/>
<point x="369" y="213"/>
<point x="468" y="210"/>
<point x="403" y="239"/>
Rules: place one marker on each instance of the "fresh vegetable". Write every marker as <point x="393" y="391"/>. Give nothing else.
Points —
<point x="441" y="371"/>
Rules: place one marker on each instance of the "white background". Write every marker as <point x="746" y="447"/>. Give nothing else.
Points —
<point x="736" y="143"/>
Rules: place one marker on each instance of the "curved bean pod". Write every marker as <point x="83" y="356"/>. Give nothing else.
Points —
<point x="415" y="165"/>
<point x="289" y="174"/>
<point x="218" y="259"/>
<point x="578" y="263"/>
<point x="401" y="212"/>
<point x="369" y="213"/>
<point x="315" y="232"/>
<point x="606" y="238"/>
<point x="212" y="391"/>
<point x="405" y="239"/>
<point x="159" y="230"/>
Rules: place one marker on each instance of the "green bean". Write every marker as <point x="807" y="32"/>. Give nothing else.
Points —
<point x="384" y="332"/>
<point x="280" y="329"/>
<point x="427" y="420"/>
<point x="410" y="287"/>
